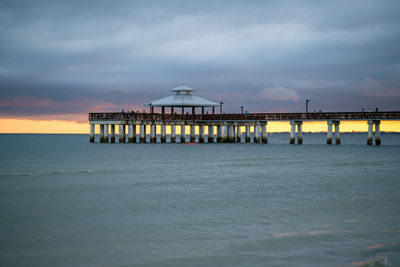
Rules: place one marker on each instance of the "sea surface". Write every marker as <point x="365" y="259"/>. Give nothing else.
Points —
<point x="67" y="202"/>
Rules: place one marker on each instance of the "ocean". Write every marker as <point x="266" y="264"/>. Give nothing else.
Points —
<point x="67" y="202"/>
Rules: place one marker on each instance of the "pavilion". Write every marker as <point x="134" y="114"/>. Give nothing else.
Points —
<point x="182" y="98"/>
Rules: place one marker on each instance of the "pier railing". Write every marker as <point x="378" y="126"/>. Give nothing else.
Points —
<point x="117" y="116"/>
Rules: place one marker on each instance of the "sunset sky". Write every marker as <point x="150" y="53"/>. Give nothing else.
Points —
<point x="60" y="60"/>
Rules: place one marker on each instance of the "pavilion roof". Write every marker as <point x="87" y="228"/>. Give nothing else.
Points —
<point x="182" y="97"/>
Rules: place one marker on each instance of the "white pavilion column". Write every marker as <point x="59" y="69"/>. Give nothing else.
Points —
<point x="163" y="133"/>
<point x="247" y="139"/>
<point x="299" y="133"/>
<point x="292" y="132"/>
<point x="112" y="133"/>
<point x="152" y="133"/>
<point x="122" y="133"/>
<point x="183" y="135"/>
<point x="192" y="134"/>
<point x="211" y="133"/>
<point x="106" y="139"/>
<point x="257" y="132"/>
<point x="173" y="135"/>
<point x="264" y="138"/>
<point x="101" y="133"/>
<point x="142" y="133"/>
<point x="337" y="132"/>
<point x="329" y="133"/>
<point x="92" y="133"/>
<point x="201" y="133"/>
<point x="377" y="133"/>
<point x="219" y="133"/>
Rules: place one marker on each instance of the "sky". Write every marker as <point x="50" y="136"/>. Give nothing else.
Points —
<point x="60" y="60"/>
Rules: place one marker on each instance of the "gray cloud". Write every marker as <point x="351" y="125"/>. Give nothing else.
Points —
<point x="343" y="54"/>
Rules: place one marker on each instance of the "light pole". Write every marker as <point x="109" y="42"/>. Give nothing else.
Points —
<point x="220" y="109"/>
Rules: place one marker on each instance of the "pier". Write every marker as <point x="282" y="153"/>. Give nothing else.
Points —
<point x="221" y="127"/>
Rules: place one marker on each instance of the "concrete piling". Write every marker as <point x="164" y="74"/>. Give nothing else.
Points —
<point x="163" y="134"/>
<point x="130" y="133"/>
<point x="101" y="133"/>
<point x="237" y="133"/>
<point x="257" y="133"/>
<point x="210" y="134"/>
<point x="369" y="138"/>
<point x="337" y="132"/>
<point x="299" y="133"/>
<point x="264" y="138"/>
<point x="329" y="133"/>
<point x="112" y="133"/>
<point x="201" y="133"/>
<point x="92" y="133"/>
<point x="183" y="136"/>
<point x="153" y="133"/>
<point x="377" y="133"/>
<point x="247" y="138"/>
<point x="122" y="133"/>
<point x="219" y="133"/>
<point x="192" y="134"/>
<point x="292" y="132"/>
<point x="142" y="133"/>
<point x="173" y="135"/>
<point x="106" y="139"/>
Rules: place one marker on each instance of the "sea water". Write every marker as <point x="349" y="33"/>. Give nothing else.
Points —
<point x="67" y="202"/>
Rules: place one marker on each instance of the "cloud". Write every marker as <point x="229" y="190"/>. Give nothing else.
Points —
<point x="380" y="88"/>
<point x="67" y="55"/>
<point x="279" y="93"/>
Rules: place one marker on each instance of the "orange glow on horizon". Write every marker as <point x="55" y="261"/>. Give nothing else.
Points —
<point x="72" y="127"/>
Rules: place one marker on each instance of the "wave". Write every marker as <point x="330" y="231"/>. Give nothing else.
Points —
<point x="84" y="171"/>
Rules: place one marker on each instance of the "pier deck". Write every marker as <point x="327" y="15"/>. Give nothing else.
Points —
<point x="228" y="126"/>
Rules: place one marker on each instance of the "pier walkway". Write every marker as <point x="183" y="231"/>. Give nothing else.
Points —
<point x="228" y="126"/>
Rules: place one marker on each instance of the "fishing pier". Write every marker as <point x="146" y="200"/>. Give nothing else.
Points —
<point x="221" y="127"/>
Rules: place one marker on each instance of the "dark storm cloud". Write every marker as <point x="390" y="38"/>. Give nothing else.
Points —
<point x="74" y="56"/>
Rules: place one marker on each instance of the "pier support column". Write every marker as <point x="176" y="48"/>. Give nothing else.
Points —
<point x="153" y="133"/>
<point x="247" y="139"/>
<point x="163" y="134"/>
<point x="106" y="133"/>
<point x="192" y="134"/>
<point x="201" y="133"/>
<point x="257" y="132"/>
<point x="264" y="138"/>
<point x="370" y="128"/>
<point x="92" y="133"/>
<point x="210" y="134"/>
<point x="337" y="132"/>
<point x="130" y="133"/>
<point x="101" y="133"/>
<point x="219" y="133"/>
<point x="377" y="133"/>
<point x="231" y="133"/>
<point x="329" y="133"/>
<point x="183" y="136"/>
<point x="224" y="133"/>
<point x="112" y="133"/>
<point x="142" y="133"/>
<point x="299" y="132"/>
<point x="122" y="133"/>
<point x="292" y="132"/>
<point x="237" y="133"/>
<point x="173" y="135"/>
